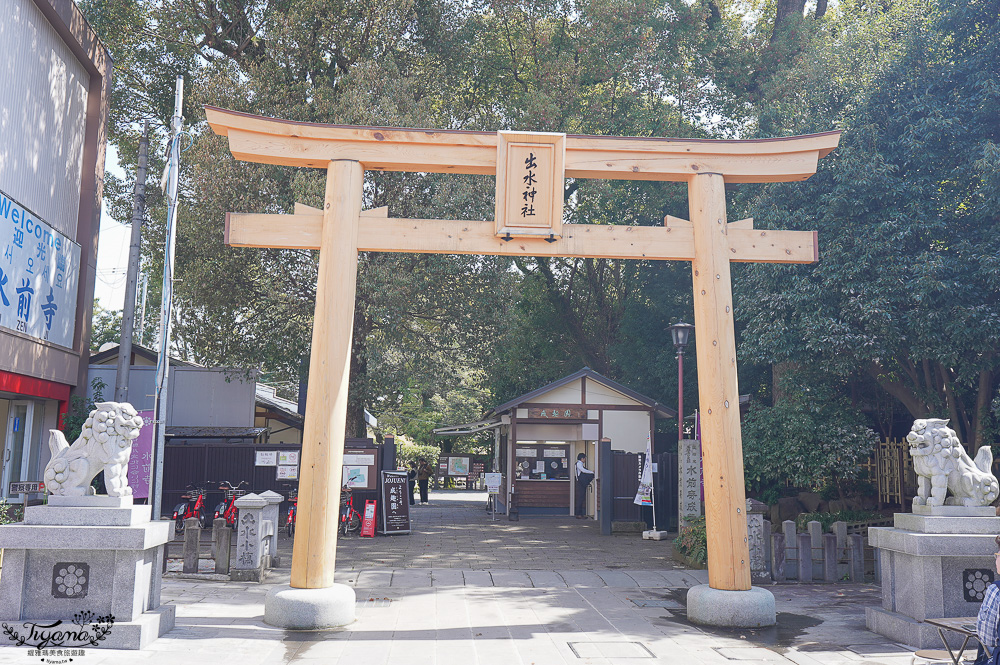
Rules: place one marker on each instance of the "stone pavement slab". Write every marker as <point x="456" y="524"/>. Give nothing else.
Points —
<point x="464" y="590"/>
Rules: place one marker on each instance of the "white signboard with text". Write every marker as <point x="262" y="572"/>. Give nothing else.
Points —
<point x="266" y="458"/>
<point x="39" y="268"/>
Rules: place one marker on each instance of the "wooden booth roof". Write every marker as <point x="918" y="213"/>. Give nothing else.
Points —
<point x="660" y="410"/>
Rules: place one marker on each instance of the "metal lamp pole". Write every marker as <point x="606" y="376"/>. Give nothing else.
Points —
<point x="680" y="332"/>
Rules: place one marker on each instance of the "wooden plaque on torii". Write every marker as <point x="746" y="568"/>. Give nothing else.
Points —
<point x="341" y="229"/>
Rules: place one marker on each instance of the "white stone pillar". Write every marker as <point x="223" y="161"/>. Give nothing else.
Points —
<point x="272" y="513"/>
<point x="249" y="563"/>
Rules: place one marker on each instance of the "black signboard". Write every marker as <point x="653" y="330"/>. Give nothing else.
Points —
<point x="395" y="503"/>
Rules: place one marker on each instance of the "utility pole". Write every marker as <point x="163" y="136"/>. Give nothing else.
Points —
<point x="142" y="308"/>
<point x="128" y="314"/>
<point x="169" y="183"/>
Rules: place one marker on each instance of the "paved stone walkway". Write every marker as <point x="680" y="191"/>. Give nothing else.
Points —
<point x="455" y="531"/>
<point x="501" y="606"/>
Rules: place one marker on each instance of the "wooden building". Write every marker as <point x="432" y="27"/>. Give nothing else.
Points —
<point x="540" y="434"/>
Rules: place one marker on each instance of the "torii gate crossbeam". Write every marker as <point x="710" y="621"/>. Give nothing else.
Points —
<point x="341" y="229"/>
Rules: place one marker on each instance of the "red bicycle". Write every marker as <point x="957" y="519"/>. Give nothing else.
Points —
<point x="227" y="509"/>
<point x="293" y="497"/>
<point x="192" y="506"/>
<point x="350" y="519"/>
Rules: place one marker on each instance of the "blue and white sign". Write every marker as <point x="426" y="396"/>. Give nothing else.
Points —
<point x="39" y="270"/>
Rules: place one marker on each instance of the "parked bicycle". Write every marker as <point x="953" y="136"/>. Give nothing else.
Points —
<point x="350" y="519"/>
<point x="293" y="497"/>
<point x="193" y="505"/>
<point x="227" y="509"/>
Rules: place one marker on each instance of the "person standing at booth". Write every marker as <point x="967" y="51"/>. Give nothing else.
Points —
<point x="583" y="478"/>
<point x="424" y="473"/>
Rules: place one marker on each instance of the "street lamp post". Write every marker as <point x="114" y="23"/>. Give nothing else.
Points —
<point x="680" y="332"/>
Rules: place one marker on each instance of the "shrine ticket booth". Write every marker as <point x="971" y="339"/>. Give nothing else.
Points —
<point x="545" y="430"/>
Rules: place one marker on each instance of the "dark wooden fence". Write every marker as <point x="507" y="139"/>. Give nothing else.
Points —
<point x="207" y="463"/>
<point x="626" y="468"/>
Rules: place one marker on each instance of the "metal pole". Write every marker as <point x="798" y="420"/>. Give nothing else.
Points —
<point x="128" y="315"/>
<point x="167" y="294"/>
<point x="680" y="393"/>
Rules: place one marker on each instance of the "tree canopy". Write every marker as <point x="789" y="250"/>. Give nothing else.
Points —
<point x="898" y="317"/>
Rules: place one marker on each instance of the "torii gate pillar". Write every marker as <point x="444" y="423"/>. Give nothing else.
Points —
<point x="313" y="600"/>
<point x="728" y="598"/>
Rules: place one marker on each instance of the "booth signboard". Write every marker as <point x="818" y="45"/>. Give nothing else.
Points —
<point x="493" y="481"/>
<point x="360" y="468"/>
<point x="558" y="414"/>
<point x="368" y="521"/>
<point x="288" y="457"/>
<point x="395" y="503"/>
<point x="287" y="472"/>
<point x="267" y="458"/>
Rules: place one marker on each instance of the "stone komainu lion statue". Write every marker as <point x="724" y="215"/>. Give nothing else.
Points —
<point x="942" y="465"/>
<point x="105" y="444"/>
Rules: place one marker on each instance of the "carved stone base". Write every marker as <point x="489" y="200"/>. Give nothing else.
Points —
<point x="931" y="567"/>
<point x="65" y="562"/>
<point x="956" y="511"/>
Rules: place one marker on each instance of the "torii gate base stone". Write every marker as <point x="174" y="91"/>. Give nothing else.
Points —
<point x="530" y="169"/>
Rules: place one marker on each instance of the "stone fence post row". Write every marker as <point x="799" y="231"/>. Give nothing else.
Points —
<point x="810" y="556"/>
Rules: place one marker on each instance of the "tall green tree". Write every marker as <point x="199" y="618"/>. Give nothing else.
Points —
<point x="905" y="293"/>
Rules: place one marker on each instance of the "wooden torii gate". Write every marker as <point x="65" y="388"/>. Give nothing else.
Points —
<point x="530" y="170"/>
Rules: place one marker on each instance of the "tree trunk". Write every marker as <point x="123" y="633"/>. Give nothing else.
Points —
<point x="820" y="9"/>
<point x="785" y="11"/>
<point x="983" y="394"/>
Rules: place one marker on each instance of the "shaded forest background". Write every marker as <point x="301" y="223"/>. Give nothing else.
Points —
<point x="900" y="318"/>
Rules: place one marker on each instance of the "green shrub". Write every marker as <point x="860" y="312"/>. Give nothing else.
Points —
<point x="827" y="519"/>
<point x="692" y="541"/>
<point x="10" y="513"/>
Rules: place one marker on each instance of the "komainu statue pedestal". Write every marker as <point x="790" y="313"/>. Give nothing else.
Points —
<point x="92" y="563"/>
<point x="933" y="565"/>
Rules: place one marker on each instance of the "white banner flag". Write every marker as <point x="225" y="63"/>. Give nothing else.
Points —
<point x="644" y="495"/>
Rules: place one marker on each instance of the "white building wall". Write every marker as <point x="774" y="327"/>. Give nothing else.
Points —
<point x="598" y="393"/>
<point x="627" y="430"/>
<point x="42" y="118"/>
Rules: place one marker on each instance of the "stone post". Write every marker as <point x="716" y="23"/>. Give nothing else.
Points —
<point x="689" y="479"/>
<point x="755" y="537"/>
<point x="829" y="557"/>
<point x="767" y="546"/>
<point x="839" y="529"/>
<point x="778" y="557"/>
<point x="249" y="563"/>
<point x="192" y="544"/>
<point x="222" y="535"/>
<point x="272" y="513"/>
<point x="856" y="557"/>
<point x="791" y="547"/>
<point x="815" y="530"/>
<point x="805" y="558"/>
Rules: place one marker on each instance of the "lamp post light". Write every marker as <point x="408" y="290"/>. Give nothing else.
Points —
<point x="680" y="332"/>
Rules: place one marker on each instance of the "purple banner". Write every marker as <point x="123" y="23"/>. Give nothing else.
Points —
<point x="141" y="462"/>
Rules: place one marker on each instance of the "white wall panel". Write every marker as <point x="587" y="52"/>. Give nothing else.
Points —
<point x="43" y="104"/>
